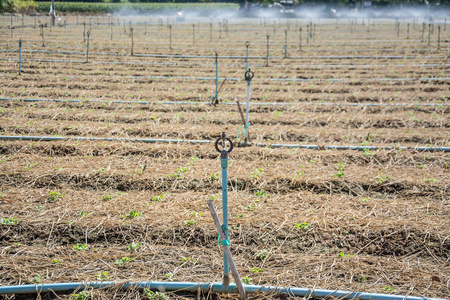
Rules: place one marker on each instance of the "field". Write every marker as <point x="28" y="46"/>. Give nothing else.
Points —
<point x="90" y="210"/>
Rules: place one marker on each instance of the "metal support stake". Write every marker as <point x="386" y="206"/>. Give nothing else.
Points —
<point x="11" y="26"/>
<point x="42" y="34"/>
<point x="224" y="164"/>
<point x="248" y="76"/>
<point x="84" y="32"/>
<point x="423" y="30"/>
<point x="170" y="37"/>
<point x="439" y="37"/>
<point x="20" y="57"/>
<point x="132" y="39"/>
<point x="407" y="32"/>
<point x="429" y="34"/>
<point x="300" y="40"/>
<point x="193" y="34"/>
<point x="247" y="44"/>
<point x="285" y="43"/>
<point x="267" y="56"/>
<point x="111" y="28"/>
<point x="87" y="47"/>
<point x="216" y="94"/>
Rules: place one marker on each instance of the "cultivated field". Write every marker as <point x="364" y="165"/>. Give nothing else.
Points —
<point x="372" y="220"/>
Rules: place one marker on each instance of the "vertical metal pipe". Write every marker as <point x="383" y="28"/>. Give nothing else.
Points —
<point x="247" y="110"/>
<point x="423" y="30"/>
<point x="132" y="40"/>
<point x="216" y="95"/>
<point x="300" y="40"/>
<point x="170" y="36"/>
<point x="193" y="34"/>
<point x="267" y="56"/>
<point x="87" y="47"/>
<point x="20" y="57"/>
<point x="439" y="37"/>
<point x="285" y="43"/>
<point x="429" y="34"/>
<point x="226" y="265"/>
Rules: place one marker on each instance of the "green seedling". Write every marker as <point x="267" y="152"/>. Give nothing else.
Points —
<point x="303" y="225"/>
<point x="256" y="173"/>
<point x="240" y="216"/>
<point x="190" y="222"/>
<point x="342" y="254"/>
<point x="381" y="178"/>
<point x="122" y="261"/>
<point x="365" y="199"/>
<point x="106" y="197"/>
<point x="7" y="221"/>
<point x="214" y="176"/>
<point x="131" y="215"/>
<point x="389" y="289"/>
<point x="247" y="280"/>
<point x="301" y="173"/>
<point x="54" y="196"/>
<point x="261" y="193"/>
<point x="102" y="276"/>
<point x="255" y="270"/>
<point x="196" y="214"/>
<point x="250" y="207"/>
<point x="154" y="295"/>
<point x="160" y="197"/>
<point x="133" y="246"/>
<point x="367" y="152"/>
<point x="79" y="247"/>
<point x="81" y="295"/>
<point x="430" y="180"/>
<point x="185" y="259"/>
<point x="37" y="278"/>
<point x="56" y="261"/>
<point x="82" y="214"/>
<point x="169" y="276"/>
<point x="261" y="255"/>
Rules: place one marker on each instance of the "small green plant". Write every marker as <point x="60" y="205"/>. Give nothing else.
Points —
<point x="37" y="278"/>
<point x="133" y="246"/>
<point x="131" y="215"/>
<point x="367" y="152"/>
<point x="79" y="247"/>
<point x="381" y="178"/>
<point x="196" y="214"/>
<point x="122" y="261"/>
<point x="303" y="225"/>
<point x="82" y="214"/>
<point x="81" y="295"/>
<point x="102" y="276"/>
<point x="7" y="221"/>
<point x="56" y="261"/>
<point x="250" y="207"/>
<point x="214" y="176"/>
<point x="190" y="222"/>
<point x="240" y="216"/>
<point x="154" y="295"/>
<point x="430" y="180"/>
<point x="106" y="197"/>
<point x="160" y="197"/>
<point x="256" y="173"/>
<point x="261" y="193"/>
<point x="388" y="289"/>
<point x="340" y="170"/>
<point x="54" y="196"/>
<point x="365" y="199"/>
<point x="300" y="173"/>
<point x="277" y="113"/>
<point x="169" y="276"/>
<point x="185" y="259"/>
<point x="247" y="280"/>
<point x="261" y="254"/>
<point x="255" y="270"/>
<point x="342" y="254"/>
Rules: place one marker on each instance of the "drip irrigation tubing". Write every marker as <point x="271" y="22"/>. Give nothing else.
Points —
<point x="164" y="286"/>
<point x="224" y="103"/>
<point x="178" y="141"/>
<point x="239" y="56"/>
<point x="266" y="79"/>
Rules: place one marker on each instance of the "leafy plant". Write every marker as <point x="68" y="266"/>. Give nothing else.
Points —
<point x="190" y="222"/>
<point x="342" y="254"/>
<point x="214" y="176"/>
<point x="106" y="197"/>
<point x="133" y="246"/>
<point x="255" y="270"/>
<point x="303" y="225"/>
<point x="340" y="170"/>
<point x="160" y="197"/>
<point x="250" y="207"/>
<point x="82" y="214"/>
<point x="261" y="193"/>
<point x="122" y="261"/>
<point x="54" y="196"/>
<point x="131" y="215"/>
<point x="261" y="254"/>
<point x="37" y="278"/>
<point x="102" y="276"/>
<point x="389" y="289"/>
<point x="154" y="295"/>
<point x="81" y="295"/>
<point x="196" y="214"/>
<point x="56" y="261"/>
<point x="247" y="280"/>
<point x="381" y="178"/>
<point x="169" y="276"/>
<point x="79" y="247"/>
<point x="367" y="152"/>
<point x="7" y="221"/>
<point x="256" y="173"/>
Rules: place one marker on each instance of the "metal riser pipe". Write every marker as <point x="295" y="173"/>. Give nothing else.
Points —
<point x="315" y="147"/>
<point x="196" y="286"/>
<point x="226" y="103"/>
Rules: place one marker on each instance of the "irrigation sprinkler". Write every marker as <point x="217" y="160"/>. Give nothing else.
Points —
<point x="300" y="39"/>
<point x="87" y="47"/>
<point x="267" y="56"/>
<point x="423" y="31"/>
<point x="285" y="43"/>
<point x="439" y="37"/>
<point x="224" y="164"/>
<point x="248" y="77"/>
<point x="132" y="39"/>
<point x="247" y="44"/>
<point x="429" y="34"/>
<point x="170" y="36"/>
<point x="20" y="57"/>
<point x="42" y="34"/>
